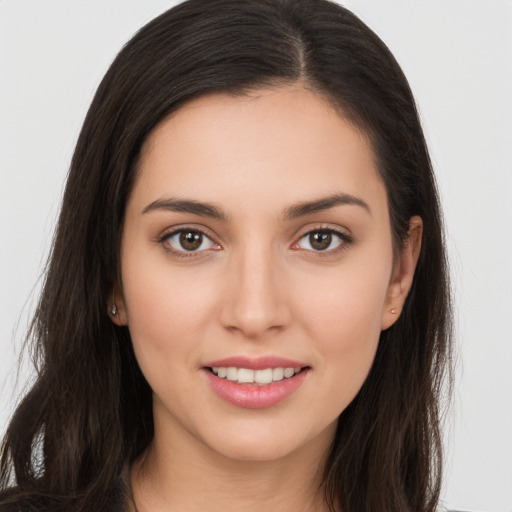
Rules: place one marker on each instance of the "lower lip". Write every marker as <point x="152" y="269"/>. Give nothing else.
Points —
<point x="250" y="396"/>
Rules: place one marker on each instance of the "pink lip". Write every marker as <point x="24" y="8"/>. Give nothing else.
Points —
<point x="251" y="396"/>
<point x="259" y="363"/>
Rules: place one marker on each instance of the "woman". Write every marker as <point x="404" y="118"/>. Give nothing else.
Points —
<point x="247" y="301"/>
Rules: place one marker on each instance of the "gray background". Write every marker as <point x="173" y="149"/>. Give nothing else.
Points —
<point x="457" y="55"/>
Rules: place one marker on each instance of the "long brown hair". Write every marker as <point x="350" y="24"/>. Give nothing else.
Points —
<point x="89" y="414"/>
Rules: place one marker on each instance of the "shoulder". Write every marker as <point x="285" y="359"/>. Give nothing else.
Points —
<point x="11" y="504"/>
<point x="16" y="499"/>
<point x="25" y="502"/>
<point x="41" y="504"/>
<point x="14" y="502"/>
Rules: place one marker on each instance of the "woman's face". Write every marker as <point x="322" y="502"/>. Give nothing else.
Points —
<point x="256" y="246"/>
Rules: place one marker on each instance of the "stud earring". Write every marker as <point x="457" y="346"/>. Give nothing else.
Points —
<point x="394" y="311"/>
<point x="113" y="310"/>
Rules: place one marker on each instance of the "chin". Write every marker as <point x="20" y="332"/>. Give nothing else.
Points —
<point x="256" y="451"/>
<point x="262" y="444"/>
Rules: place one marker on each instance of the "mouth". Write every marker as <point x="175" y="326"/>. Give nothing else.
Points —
<point x="261" y="377"/>
<point x="255" y="383"/>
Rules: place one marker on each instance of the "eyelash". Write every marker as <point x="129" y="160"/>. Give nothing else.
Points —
<point x="183" y="253"/>
<point x="345" y="241"/>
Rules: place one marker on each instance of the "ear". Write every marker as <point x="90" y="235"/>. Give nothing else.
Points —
<point x="116" y="307"/>
<point x="403" y="273"/>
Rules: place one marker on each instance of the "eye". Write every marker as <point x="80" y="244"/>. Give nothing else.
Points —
<point x="188" y="241"/>
<point x="322" y="240"/>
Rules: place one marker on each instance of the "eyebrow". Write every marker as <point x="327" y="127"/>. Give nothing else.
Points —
<point x="324" y="203"/>
<point x="187" y="206"/>
<point x="212" y="211"/>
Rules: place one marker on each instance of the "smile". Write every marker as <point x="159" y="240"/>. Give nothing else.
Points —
<point x="265" y="385"/>
<point x="248" y="376"/>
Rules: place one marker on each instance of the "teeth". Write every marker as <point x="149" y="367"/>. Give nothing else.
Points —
<point x="277" y="374"/>
<point x="247" y="376"/>
<point x="263" y="376"/>
<point x="232" y="373"/>
<point x="289" y="372"/>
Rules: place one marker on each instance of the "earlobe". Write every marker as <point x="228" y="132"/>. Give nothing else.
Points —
<point x="116" y="309"/>
<point x="403" y="273"/>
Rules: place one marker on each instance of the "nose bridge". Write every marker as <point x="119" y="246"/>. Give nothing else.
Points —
<point x="255" y="302"/>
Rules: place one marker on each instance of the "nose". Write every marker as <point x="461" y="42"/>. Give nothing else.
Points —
<point x="255" y="301"/>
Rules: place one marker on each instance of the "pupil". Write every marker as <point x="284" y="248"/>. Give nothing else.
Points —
<point x="191" y="241"/>
<point x="320" y="240"/>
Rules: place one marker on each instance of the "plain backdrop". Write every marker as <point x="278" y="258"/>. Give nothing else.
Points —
<point x="457" y="55"/>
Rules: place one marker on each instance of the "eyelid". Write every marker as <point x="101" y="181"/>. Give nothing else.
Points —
<point x="346" y="239"/>
<point x="345" y="236"/>
<point x="174" y="230"/>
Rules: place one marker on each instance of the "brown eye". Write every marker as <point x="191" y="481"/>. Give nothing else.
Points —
<point x="188" y="240"/>
<point x="321" y="240"/>
<point x="191" y="240"/>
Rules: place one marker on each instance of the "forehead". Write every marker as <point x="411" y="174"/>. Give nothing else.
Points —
<point x="285" y="143"/>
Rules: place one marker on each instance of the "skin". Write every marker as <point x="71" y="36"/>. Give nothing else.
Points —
<point x="256" y="287"/>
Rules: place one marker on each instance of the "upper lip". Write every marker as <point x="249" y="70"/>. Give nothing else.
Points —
<point x="258" y="363"/>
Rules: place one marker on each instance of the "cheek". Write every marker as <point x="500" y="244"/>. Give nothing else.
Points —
<point x="166" y="311"/>
<point x="342" y="314"/>
<point x="344" y="304"/>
